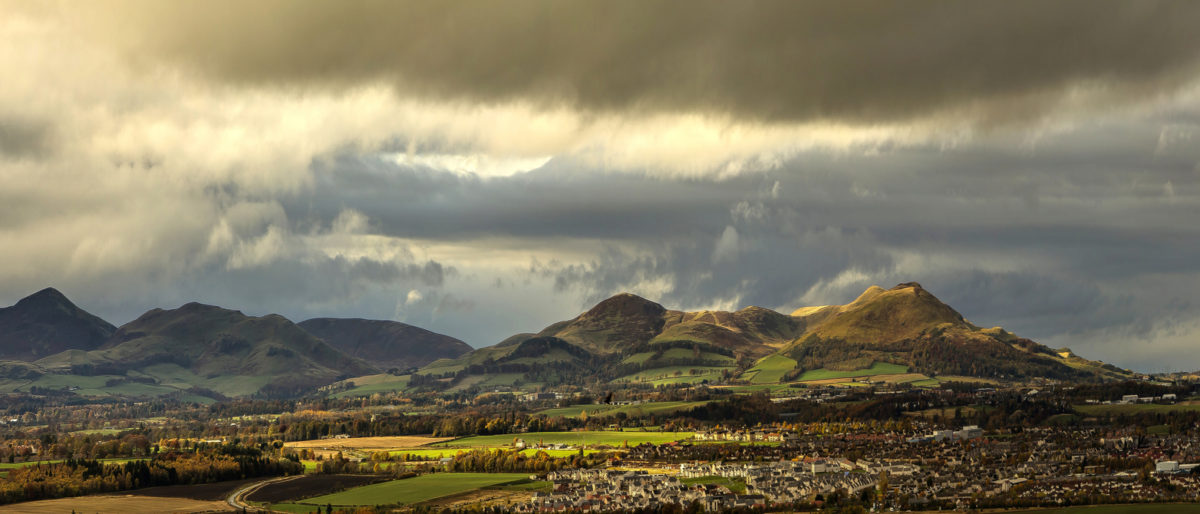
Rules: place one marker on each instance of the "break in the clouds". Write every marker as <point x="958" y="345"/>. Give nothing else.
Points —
<point x="487" y="168"/>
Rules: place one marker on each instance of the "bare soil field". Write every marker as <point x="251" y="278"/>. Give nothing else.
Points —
<point x="368" y="443"/>
<point x="117" y="504"/>
<point x="480" y="497"/>
<point x="309" y="486"/>
<point x="216" y="491"/>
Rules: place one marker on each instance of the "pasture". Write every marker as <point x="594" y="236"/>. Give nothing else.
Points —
<point x="372" y="384"/>
<point x="367" y="443"/>
<point x="593" y="438"/>
<point x="877" y="368"/>
<point x="633" y="411"/>
<point x="770" y="369"/>
<point x="1136" y="408"/>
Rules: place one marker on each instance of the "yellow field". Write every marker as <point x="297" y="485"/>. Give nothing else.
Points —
<point x="116" y="505"/>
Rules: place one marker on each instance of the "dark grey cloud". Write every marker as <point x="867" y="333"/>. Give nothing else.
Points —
<point x="22" y="138"/>
<point x="772" y="60"/>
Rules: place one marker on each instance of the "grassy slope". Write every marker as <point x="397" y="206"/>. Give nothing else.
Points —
<point x="371" y="384"/>
<point x="669" y="373"/>
<point x="878" y="368"/>
<point x="770" y="369"/>
<point x="634" y="411"/>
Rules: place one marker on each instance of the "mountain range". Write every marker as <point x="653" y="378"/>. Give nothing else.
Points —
<point x="197" y="351"/>
<point x="203" y="353"/>
<point x="904" y="331"/>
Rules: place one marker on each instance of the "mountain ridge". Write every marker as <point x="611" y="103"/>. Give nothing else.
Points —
<point x="633" y="337"/>
<point x="45" y="323"/>
<point x="387" y="344"/>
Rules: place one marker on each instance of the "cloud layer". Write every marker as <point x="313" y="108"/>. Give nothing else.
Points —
<point x="855" y="60"/>
<point x="483" y="168"/>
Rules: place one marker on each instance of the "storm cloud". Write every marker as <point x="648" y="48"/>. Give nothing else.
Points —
<point x="857" y="60"/>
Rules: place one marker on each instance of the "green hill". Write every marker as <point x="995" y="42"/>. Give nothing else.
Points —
<point x="908" y="326"/>
<point x="207" y="350"/>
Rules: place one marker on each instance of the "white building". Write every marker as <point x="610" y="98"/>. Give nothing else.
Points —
<point x="1166" y="466"/>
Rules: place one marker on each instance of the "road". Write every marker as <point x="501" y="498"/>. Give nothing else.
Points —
<point x="235" y="498"/>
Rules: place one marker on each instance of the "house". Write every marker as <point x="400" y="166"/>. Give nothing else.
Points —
<point x="1166" y="466"/>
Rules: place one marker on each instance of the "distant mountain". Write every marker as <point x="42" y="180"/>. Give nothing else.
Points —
<point x="626" y="321"/>
<point x="385" y="344"/>
<point x="627" y="338"/>
<point x="204" y="348"/>
<point x="46" y="323"/>
<point x="906" y="325"/>
<point x="623" y="338"/>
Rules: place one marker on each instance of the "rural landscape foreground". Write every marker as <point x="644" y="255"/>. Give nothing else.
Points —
<point x="893" y="401"/>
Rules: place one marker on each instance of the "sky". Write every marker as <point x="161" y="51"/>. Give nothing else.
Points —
<point x="484" y="168"/>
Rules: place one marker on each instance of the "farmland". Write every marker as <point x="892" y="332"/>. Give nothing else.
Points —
<point x="877" y="368"/>
<point x="643" y="409"/>
<point x="770" y="370"/>
<point x="1136" y="408"/>
<point x="591" y="438"/>
<point x="310" y="485"/>
<point x="368" y="443"/>
<point x="13" y="465"/>
<point x="1135" y="508"/>
<point x="371" y="384"/>
<point x="417" y="489"/>
<point x="676" y="375"/>
<point x="115" y="504"/>
<point x="423" y="453"/>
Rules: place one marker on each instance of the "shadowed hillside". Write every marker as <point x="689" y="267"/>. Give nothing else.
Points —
<point x="215" y="349"/>
<point x="385" y="344"/>
<point x="46" y="323"/>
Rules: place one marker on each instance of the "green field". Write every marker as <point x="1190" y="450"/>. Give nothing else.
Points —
<point x="676" y="375"/>
<point x="450" y="452"/>
<point x="736" y="485"/>
<point x="771" y="389"/>
<point x="414" y="490"/>
<point x="171" y="380"/>
<point x="371" y="384"/>
<point x="633" y="411"/>
<point x="572" y="438"/>
<point x="770" y="369"/>
<point x="573" y="411"/>
<point x="1134" y="508"/>
<point x="878" y="368"/>
<point x="1135" y="408"/>
<point x="14" y="465"/>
